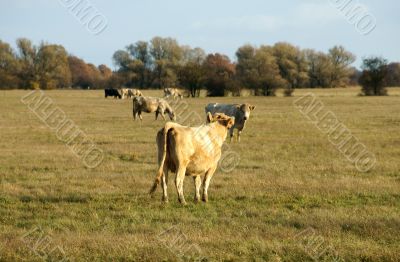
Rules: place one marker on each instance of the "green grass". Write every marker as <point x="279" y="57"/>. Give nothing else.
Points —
<point x="289" y="179"/>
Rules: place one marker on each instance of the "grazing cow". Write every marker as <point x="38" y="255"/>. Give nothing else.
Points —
<point x="112" y="92"/>
<point x="134" y="92"/>
<point x="124" y="93"/>
<point x="174" y="92"/>
<point x="150" y="105"/>
<point x="240" y="112"/>
<point x="191" y="151"/>
<point x="130" y="93"/>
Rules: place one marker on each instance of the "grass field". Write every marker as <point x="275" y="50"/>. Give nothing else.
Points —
<point x="292" y="197"/>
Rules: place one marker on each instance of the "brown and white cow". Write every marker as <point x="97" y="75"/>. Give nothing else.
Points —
<point x="134" y="92"/>
<point x="151" y="105"/>
<point x="241" y="113"/>
<point x="130" y="93"/>
<point x="124" y="93"/>
<point x="174" y="92"/>
<point x="191" y="151"/>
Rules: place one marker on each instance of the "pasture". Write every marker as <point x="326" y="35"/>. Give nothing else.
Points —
<point x="291" y="188"/>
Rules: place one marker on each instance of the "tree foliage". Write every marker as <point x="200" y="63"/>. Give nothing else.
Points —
<point x="219" y="74"/>
<point x="374" y="76"/>
<point x="258" y="69"/>
<point x="162" y="62"/>
<point x="9" y="67"/>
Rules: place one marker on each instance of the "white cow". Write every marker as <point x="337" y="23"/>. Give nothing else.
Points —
<point x="241" y="113"/>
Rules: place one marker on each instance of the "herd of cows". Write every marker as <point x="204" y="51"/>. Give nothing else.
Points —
<point x="183" y="150"/>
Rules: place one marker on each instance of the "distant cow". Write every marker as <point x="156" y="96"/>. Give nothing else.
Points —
<point x="134" y="92"/>
<point x="191" y="151"/>
<point x="151" y="105"/>
<point x="112" y="92"/>
<point x="174" y="92"/>
<point x="240" y="112"/>
<point x="130" y="93"/>
<point x="124" y="93"/>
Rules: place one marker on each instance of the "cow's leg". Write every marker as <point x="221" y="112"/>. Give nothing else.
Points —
<point x="238" y="135"/>
<point x="180" y="176"/>
<point x="206" y="182"/>
<point x="162" y="114"/>
<point x="197" y="184"/>
<point x="164" y="185"/>
<point x="134" y="114"/>
<point x="140" y="115"/>
<point x="157" y="113"/>
<point x="231" y="134"/>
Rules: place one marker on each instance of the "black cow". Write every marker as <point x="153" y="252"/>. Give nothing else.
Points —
<point x="112" y="92"/>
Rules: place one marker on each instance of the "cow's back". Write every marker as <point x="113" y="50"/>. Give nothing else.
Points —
<point x="229" y="110"/>
<point x="149" y="104"/>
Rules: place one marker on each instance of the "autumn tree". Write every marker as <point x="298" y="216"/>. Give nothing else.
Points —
<point x="166" y="54"/>
<point x="319" y="68"/>
<point x="141" y="63"/>
<point x="191" y="71"/>
<point x="9" y="67"/>
<point x="292" y="66"/>
<point x="341" y="59"/>
<point x="122" y="60"/>
<point x="88" y="75"/>
<point x="258" y="69"/>
<point x="219" y="74"/>
<point x="27" y="55"/>
<point x="373" y="77"/>
<point x="52" y="67"/>
<point x="105" y="71"/>
<point x="393" y="74"/>
<point x="45" y="66"/>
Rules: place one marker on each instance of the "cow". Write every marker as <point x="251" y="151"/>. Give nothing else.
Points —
<point x="151" y="105"/>
<point x="134" y="92"/>
<point x="241" y="113"/>
<point x="112" y="92"/>
<point x="190" y="151"/>
<point x="130" y="93"/>
<point x="174" y="92"/>
<point x="124" y="93"/>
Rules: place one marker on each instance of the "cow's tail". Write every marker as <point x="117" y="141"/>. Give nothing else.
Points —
<point x="160" y="172"/>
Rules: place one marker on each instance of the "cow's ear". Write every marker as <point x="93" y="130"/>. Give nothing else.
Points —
<point x="230" y="122"/>
<point x="209" y="117"/>
<point x="252" y="108"/>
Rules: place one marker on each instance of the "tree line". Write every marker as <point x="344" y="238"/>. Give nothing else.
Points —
<point x="47" y="66"/>
<point x="163" y="62"/>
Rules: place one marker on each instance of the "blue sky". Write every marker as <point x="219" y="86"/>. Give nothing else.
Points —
<point x="216" y="26"/>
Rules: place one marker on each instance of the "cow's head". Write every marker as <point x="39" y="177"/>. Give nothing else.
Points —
<point x="222" y="119"/>
<point x="245" y="110"/>
<point x="171" y="115"/>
